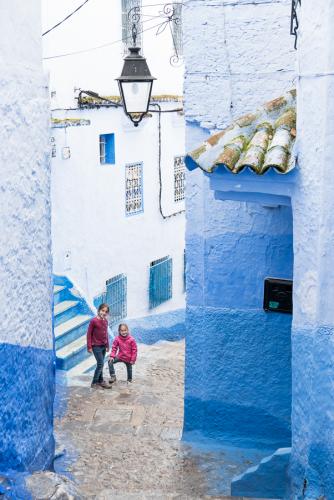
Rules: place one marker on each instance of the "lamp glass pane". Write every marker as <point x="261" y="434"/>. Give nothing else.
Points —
<point x="136" y="96"/>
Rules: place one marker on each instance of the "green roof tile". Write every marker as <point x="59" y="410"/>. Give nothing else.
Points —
<point x="257" y="141"/>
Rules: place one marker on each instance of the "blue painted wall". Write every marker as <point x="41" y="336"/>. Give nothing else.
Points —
<point x="238" y="358"/>
<point x="311" y="468"/>
<point x="168" y="326"/>
<point x="26" y="416"/>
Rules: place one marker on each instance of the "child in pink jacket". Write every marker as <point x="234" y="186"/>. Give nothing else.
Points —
<point x="124" y="350"/>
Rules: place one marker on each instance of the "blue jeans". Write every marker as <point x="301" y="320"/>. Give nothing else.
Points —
<point x="99" y="352"/>
<point x="112" y="369"/>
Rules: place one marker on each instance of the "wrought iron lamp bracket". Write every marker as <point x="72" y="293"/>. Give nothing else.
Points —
<point x="169" y="16"/>
<point x="294" y="23"/>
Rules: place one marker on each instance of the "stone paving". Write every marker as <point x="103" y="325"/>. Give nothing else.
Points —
<point x="124" y="443"/>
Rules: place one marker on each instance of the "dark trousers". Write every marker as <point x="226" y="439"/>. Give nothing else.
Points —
<point x="99" y="352"/>
<point x="112" y="369"/>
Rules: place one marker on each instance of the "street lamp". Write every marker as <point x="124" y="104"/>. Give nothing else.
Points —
<point x="135" y="83"/>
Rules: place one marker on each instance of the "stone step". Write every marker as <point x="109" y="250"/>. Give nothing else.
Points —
<point x="70" y="330"/>
<point x="72" y="354"/>
<point x="64" y="311"/>
<point x="64" y="306"/>
<point x="84" y="367"/>
<point x="60" y="293"/>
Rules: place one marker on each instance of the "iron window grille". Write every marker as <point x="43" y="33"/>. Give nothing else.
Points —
<point x="129" y="16"/>
<point x="53" y="147"/>
<point x="161" y="281"/>
<point x="116" y="297"/>
<point x="133" y="188"/>
<point x="184" y="270"/>
<point x="99" y="299"/>
<point x="179" y="178"/>
<point x="102" y="149"/>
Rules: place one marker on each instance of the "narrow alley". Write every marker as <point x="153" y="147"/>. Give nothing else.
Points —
<point x="126" y="440"/>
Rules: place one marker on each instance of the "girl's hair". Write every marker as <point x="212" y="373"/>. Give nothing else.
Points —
<point x="123" y="324"/>
<point x="103" y="306"/>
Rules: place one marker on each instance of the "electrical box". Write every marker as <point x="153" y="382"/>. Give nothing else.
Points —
<point x="277" y="295"/>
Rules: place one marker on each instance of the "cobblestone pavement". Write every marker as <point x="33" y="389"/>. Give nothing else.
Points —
<point x="125" y="441"/>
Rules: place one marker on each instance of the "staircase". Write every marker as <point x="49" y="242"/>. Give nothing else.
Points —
<point x="71" y="316"/>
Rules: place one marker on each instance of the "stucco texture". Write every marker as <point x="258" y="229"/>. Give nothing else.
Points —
<point x="238" y="358"/>
<point x="26" y="339"/>
<point x="238" y="378"/>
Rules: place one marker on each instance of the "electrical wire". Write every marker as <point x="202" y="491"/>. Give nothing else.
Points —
<point x="159" y="164"/>
<point x="65" y="18"/>
<point x="100" y="46"/>
<point x="109" y="43"/>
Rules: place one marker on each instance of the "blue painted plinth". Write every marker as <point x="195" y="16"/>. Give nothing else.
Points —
<point x="168" y="326"/>
<point x="238" y="376"/>
<point x="27" y="388"/>
<point x="312" y="461"/>
<point x="268" y="479"/>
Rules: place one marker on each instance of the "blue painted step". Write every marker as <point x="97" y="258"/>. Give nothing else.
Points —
<point x="60" y="293"/>
<point x="71" y="329"/>
<point x="71" y="315"/>
<point x="65" y="310"/>
<point x="72" y="354"/>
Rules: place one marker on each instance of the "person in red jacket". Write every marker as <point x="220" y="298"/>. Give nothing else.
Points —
<point x="98" y="343"/>
<point x="124" y="350"/>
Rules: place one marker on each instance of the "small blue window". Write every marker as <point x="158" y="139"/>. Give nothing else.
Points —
<point x="107" y="149"/>
<point x="161" y="281"/>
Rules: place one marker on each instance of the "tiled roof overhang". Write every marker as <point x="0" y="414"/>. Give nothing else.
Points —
<point x="257" y="141"/>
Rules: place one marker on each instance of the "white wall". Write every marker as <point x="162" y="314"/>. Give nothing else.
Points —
<point x="88" y="199"/>
<point x="26" y="338"/>
<point x="25" y="263"/>
<point x="88" y="206"/>
<point x="238" y="55"/>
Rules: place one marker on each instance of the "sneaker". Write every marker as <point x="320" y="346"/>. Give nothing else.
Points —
<point x="95" y="386"/>
<point x="104" y="385"/>
<point x="112" y="379"/>
<point x="130" y="381"/>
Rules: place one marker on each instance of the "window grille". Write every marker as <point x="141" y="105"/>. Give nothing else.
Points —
<point x="107" y="148"/>
<point x="102" y="149"/>
<point x="99" y="299"/>
<point x="177" y="29"/>
<point x="179" y="178"/>
<point x="127" y="22"/>
<point x="134" y="188"/>
<point x="161" y="281"/>
<point x="184" y="270"/>
<point x="116" y="297"/>
<point x="53" y="147"/>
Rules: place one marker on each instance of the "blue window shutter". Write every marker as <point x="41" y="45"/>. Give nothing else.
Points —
<point x="107" y="149"/>
<point x="110" y="148"/>
<point x="160" y="286"/>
